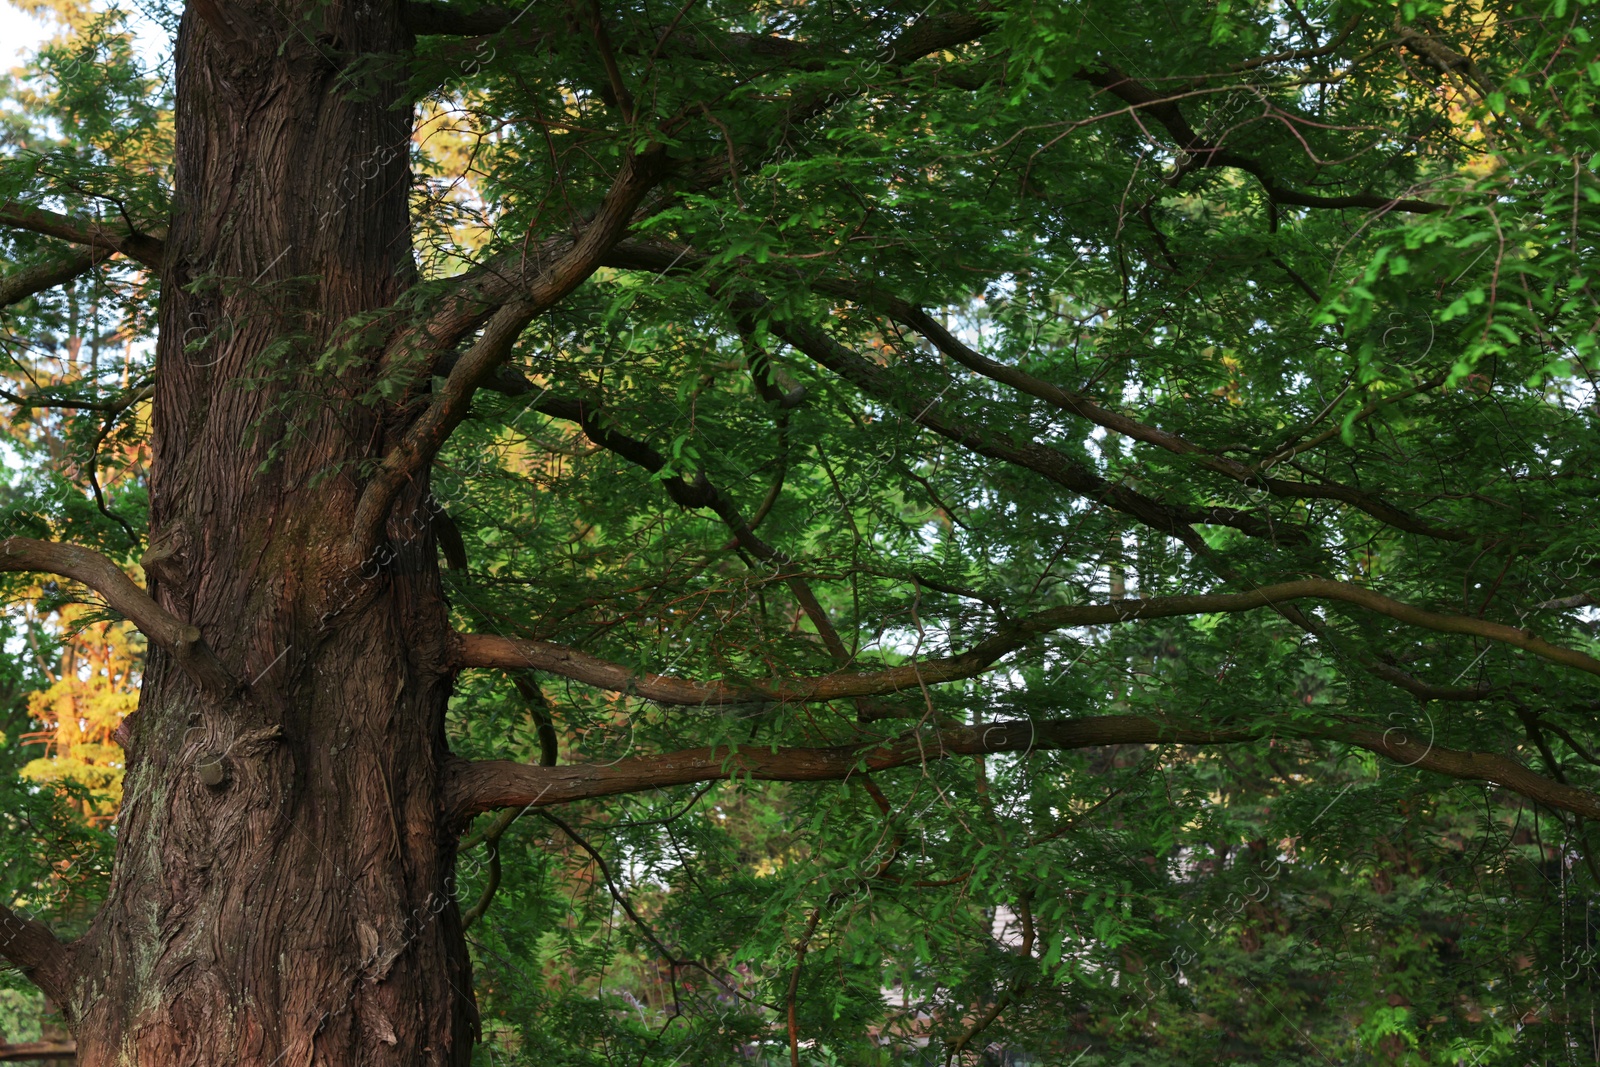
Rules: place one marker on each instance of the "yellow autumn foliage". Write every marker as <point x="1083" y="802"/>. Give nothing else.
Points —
<point x="94" y="686"/>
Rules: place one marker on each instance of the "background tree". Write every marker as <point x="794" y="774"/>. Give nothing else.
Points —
<point x="811" y="532"/>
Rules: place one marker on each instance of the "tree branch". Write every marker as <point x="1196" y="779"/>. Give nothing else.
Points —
<point x="19" y="285"/>
<point x="103" y="576"/>
<point x="508" y="653"/>
<point x="143" y="247"/>
<point x="477" y="787"/>
<point x="38" y="1050"/>
<point x="658" y="258"/>
<point x="476" y="293"/>
<point x="700" y="493"/>
<point x="926" y="410"/>
<point x="928" y="35"/>
<point x="1012" y="991"/>
<point x="1164" y="109"/>
<point x="428" y="433"/>
<point x="1085" y="408"/>
<point x="1442" y="57"/>
<point x="512" y="654"/>
<point x="34" y="950"/>
<point x="109" y="407"/>
<point x="939" y="33"/>
<point x="491" y="883"/>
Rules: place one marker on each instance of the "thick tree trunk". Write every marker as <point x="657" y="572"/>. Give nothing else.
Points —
<point x="282" y="891"/>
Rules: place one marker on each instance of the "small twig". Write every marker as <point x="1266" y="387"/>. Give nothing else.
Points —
<point x="627" y="906"/>
<point x="1025" y="951"/>
<point x="794" y="986"/>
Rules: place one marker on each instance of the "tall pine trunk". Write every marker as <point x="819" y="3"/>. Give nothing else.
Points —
<point x="283" y="869"/>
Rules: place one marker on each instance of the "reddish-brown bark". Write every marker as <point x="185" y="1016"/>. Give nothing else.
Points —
<point x="282" y="887"/>
<point x="38" y="1050"/>
<point x="506" y="653"/>
<point x="483" y="786"/>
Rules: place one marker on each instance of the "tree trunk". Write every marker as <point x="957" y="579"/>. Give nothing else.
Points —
<point x="282" y="888"/>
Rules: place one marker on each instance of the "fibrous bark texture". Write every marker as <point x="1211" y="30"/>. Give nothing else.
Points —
<point x="282" y="883"/>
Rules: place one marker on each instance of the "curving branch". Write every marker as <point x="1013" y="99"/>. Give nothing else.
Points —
<point x="930" y="34"/>
<point x="919" y="320"/>
<point x="664" y="258"/>
<point x="158" y="624"/>
<point x="488" y="354"/>
<point x="21" y="284"/>
<point x="491" y="884"/>
<point x="1009" y="995"/>
<point x="473" y="296"/>
<point x="477" y="787"/>
<point x="1442" y="57"/>
<point x="143" y="247"/>
<point x="699" y="493"/>
<point x="466" y="303"/>
<point x="33" y="949"/>
<point x="509" y="653"/>
<point x="1204" y="154"/>
<point x="514" y="654"/>
<point x="926" y="410"/>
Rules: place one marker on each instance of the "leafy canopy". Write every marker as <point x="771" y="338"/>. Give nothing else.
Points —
<point x="944" y="323"/>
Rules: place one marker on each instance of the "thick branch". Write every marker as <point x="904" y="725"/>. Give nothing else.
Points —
<point x="662" y="258"/>
<point x="928" y="35"/>
<point x="103" y="576"/>
<point x="33" y="949"/>
<point x="449" y="406"/>
<point x="475" y="294"/>
<point x="1423" y="691"/>
<point x="507" y="653"/>
<point x="512" y="654"/>
<point x="478" y="787"/>
<point x="926" y="410"/>
<point x="39" y="1050"/>
<point x="469" y="301"/>
<point x="931" y="34"/>
<point x="1442" y="57"/>
<point x="699" y="493"/>
<point x="143" y="247"/>
<point x="20" y="285"/>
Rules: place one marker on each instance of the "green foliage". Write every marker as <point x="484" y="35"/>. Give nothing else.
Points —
<point x="1290" y="902"/>
<point x="1365" y="278"/>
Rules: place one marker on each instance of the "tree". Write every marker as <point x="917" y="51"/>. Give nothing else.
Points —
<point x="92" y="690"/>
<point x="962" y="408"/>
